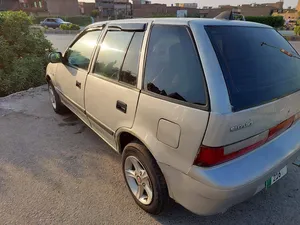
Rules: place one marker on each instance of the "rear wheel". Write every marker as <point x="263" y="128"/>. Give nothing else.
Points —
<point x="56" y="103"/>
<point x="144" y="179"/>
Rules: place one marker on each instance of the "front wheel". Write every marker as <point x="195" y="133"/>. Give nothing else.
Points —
<point x="144" y="179"/>
<point x="56" y="103"/>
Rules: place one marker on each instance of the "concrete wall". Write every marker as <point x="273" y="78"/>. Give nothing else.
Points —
<point x="86" y="8"/>
<point x="257" y="11"/>
<point x="298" y="6"/>
<point x="9" y="5"/>
<point x="63" y="7"/>
<point x="148" y="10"/>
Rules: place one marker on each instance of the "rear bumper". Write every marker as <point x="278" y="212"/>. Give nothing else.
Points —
<point x="207" y="191"/>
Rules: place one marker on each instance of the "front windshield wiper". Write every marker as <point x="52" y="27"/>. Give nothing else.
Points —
<point x="281" y="50"/>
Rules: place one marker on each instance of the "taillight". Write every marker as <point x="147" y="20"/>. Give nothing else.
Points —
<point x="211" y="156"/>
<point x="277" y="130"/>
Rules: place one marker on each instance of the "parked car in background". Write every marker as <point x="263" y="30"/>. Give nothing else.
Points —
<point x="53" y="22"/>
<point x="205" y="112"/>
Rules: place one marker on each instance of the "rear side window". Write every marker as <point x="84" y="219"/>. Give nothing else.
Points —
<point x="131" y="63"/>
<point x="254" y="68"/>
<point x="112" y="53"/>
<point x="79" y="54"/>
<point x="173" y="67"/>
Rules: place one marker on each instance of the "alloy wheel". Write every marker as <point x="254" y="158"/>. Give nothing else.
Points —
<point x="138" y="180"/>
<point x="52" y="97"/>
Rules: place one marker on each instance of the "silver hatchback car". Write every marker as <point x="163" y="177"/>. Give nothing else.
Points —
<point x="204" y="112"/>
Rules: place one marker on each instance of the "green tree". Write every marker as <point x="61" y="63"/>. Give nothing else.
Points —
<point x="273" y="21"/>
<point x="95" y="13"/>
<point x="23" y="57"/>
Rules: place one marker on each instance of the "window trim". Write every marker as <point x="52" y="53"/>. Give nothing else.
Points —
<point x="96" y="54"/>
<point x="205" y="107"/>
<point x="121" y="68"/>
<point x="123" y="84"/>
<point x="93" y="52"/>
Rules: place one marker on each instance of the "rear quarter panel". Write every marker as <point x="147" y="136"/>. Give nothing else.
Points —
<point x="192" y="124"/>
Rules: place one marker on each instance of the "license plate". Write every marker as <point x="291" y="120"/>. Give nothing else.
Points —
<point x="277" y="176"/>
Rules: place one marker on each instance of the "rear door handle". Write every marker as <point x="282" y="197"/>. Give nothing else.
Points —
<point x="121" y="106"/>
<point x="78" y="84"/>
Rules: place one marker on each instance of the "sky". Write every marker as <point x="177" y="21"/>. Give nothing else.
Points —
<point x="202" y="3"/>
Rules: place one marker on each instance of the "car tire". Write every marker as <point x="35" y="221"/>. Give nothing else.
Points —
<point x="56" y="103"/>
<point x="150" y="180"/>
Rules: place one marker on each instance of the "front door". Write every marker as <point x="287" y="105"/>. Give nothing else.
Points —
<point x="71" y="74"/>
<point x="111" y="94"/>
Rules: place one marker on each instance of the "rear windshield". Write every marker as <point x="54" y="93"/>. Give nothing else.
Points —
<point x="254" y="68"/>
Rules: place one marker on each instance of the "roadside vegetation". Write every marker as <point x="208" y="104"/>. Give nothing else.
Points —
<point x="297" y="30"/>
<point x="273" y="21"/>
<point x="23" y="57"/>
<point x="70" y="26"/>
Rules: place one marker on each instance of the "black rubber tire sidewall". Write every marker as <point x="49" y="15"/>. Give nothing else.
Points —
<point x="160" y="191"/>
<point x="60" y="107"/>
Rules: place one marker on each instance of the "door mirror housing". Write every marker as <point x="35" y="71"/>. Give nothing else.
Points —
<point x="55" y="57"/>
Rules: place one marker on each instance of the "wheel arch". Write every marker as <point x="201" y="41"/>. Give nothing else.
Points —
<point x="48" y="78"/>
<point x="125" y="136"/>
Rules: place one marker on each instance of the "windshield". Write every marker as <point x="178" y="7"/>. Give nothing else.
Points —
<point x="59" y="20"/>
<point x="254" y="72"/>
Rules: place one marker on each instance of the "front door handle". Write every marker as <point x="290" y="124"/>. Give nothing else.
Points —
<point x="78" y="84"/>
<point x="121" y="106"/>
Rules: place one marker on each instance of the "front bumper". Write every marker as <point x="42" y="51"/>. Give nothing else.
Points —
<point x="208" y="191"/>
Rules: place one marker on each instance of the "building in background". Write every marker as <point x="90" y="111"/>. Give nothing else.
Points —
<point x="114" y="8"/>
<point x="289" y="14"/>
<point x="47" y="7"/>
<point x="34" y="6"/>
<point x="140" y="2"/>
<point x="266" y="9"/>
<point x="187" y="5"/>
<point x="63" y="7"/>
<point x="86" y="8"/>
<point x="122" y="9"/>
<point x="298" y="6"/>
<point x="9" y="5"/>
<point x="150" y="10"/>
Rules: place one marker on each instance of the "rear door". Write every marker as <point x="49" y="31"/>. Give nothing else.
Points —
<point x="111" y="95"/>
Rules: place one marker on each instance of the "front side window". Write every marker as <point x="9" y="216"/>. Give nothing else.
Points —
<point x="112" y="53"/>
<point x="59" y="20"/>
<point x="173" y="67"/>
<point x="79" y="54"/>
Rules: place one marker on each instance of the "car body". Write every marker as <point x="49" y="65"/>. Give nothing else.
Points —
<point x="197" y="95"/>
<point x="53" y="22"/>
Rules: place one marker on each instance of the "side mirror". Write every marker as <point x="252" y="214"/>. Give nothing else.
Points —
<point x="55" y="57"/>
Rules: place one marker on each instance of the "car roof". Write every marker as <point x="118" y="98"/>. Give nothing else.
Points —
<point x="183" y="21"/>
